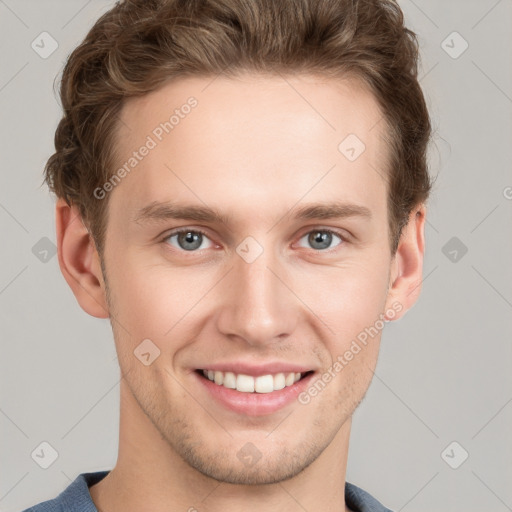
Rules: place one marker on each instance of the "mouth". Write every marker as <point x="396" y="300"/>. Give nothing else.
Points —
<point x="250" y="389"/>
<point x="252" y="385"/>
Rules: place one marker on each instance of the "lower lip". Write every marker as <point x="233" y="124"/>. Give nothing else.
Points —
<point x="254" y="404"/>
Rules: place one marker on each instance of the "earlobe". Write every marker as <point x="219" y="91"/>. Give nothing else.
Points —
<point x="407" y="266"/>
<point x="79" y="260"/>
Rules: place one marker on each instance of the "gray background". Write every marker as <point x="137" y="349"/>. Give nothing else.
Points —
<point x="444" y="372"/>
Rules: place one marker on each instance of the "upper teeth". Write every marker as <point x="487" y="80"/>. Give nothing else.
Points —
<point x="249" y="384"/>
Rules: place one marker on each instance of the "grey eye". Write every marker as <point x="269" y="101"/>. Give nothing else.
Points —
<point x="321" y="239"/>
<point x="188" y="240"/>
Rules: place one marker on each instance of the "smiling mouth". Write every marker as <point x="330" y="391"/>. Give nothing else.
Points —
<point x="249" y="384"/>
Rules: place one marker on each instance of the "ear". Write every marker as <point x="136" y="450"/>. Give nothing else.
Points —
<point x="79" y="260"/>
<point x="407" y="266"/>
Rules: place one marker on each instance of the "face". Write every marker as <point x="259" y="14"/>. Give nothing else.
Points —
<point x="251" y="241"/>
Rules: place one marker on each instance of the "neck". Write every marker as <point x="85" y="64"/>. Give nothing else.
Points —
<point x="150" y="475"/>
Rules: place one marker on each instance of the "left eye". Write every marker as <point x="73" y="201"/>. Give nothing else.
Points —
<point x="321" y="239"/>
<point x="188" y="240"/>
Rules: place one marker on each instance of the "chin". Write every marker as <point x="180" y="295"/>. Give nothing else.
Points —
<point x="233" y="471"/>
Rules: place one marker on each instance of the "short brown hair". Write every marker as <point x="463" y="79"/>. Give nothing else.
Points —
<point x="138" y="45"/>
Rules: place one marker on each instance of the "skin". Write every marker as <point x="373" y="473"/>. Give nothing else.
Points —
<point x="256" y="150"/>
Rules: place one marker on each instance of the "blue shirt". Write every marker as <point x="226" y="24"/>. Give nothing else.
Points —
<point x="77" y="498"/>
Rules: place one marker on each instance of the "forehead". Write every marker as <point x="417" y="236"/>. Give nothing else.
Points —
<point x="260" y="137"/>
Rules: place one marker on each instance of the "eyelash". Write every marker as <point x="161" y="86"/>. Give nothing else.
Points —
<point x="343" y="237"/>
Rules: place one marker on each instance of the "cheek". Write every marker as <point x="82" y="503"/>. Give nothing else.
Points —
<point x="346" y="298"/>
<point x="350" y="303"/>
<point x="142" y="297"/>
<point x="151" y="298"/>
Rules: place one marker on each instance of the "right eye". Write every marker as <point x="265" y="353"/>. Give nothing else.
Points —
<point x="188" y="239"/>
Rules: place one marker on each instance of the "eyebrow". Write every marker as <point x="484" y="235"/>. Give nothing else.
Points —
<point x="158" y="211"/>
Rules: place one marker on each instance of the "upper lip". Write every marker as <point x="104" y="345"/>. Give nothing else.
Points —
<point x="256" y="370"/>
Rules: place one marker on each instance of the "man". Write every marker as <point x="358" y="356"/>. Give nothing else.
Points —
<point x="241" y="191"/>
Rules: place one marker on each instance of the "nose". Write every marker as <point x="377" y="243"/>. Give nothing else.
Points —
<point x="256" y="302"/>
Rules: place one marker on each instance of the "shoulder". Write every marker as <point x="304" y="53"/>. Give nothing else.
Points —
<point x="54" y="505"/>
<point x="361" y="501"/>
<point x="74" y="498"/>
